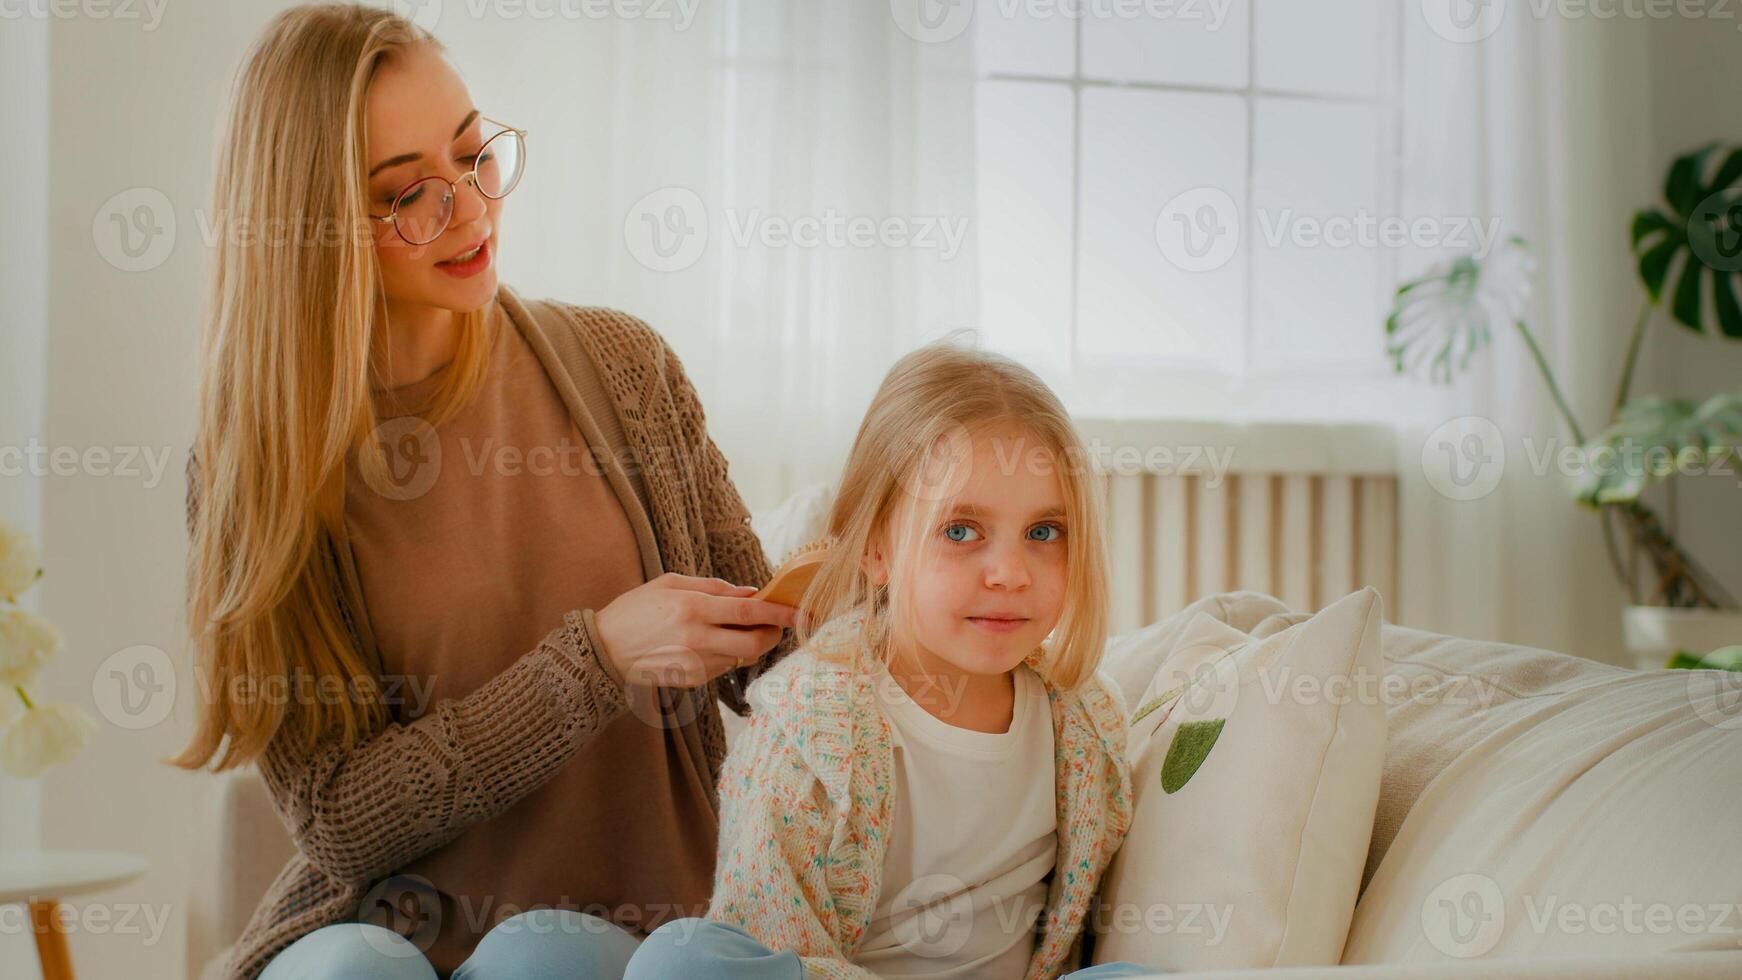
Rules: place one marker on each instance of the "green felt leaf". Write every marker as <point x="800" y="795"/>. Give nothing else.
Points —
<point x="1156" y="702"/>
<point x="1191" y="745"/>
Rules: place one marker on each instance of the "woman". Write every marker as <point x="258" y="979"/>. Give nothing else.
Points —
<point x="462" y="568"/>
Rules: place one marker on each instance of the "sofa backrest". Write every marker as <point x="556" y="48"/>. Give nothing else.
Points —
<point x="1451" y="693"/>
<point x="245" y="847"/>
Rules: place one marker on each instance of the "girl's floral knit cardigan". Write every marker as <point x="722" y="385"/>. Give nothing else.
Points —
<point x="807" y="795"/>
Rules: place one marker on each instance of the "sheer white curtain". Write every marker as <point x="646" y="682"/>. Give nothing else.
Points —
<point x="1485" y="136"/>
<point x="706" y="170"/>
<point x="783" y="189"/>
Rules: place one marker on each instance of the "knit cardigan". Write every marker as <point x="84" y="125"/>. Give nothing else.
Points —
<point x="808" y="797"/>
<point x="358" y="812"/>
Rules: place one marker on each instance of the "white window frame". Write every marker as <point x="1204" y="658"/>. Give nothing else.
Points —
<point x="1245" y="394"/>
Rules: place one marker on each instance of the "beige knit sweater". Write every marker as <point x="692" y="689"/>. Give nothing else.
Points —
<point x="358" y="814"/>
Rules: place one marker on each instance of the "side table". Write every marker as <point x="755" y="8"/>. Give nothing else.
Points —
<point x="42" y="878"/>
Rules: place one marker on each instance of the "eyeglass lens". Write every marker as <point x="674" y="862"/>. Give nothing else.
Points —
<point x="422" y="211"/>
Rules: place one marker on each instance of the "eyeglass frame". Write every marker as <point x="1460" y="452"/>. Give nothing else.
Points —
<point x="392" y="216"/>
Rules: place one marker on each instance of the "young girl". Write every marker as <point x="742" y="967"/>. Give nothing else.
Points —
<point x="933" y="784"/>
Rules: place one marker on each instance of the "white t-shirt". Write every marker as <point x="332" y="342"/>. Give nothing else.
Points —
<point x="975" y="834"/>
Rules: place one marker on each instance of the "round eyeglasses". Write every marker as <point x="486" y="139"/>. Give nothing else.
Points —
<point x="422" y="210"/>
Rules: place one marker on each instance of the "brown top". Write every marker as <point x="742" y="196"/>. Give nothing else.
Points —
<point x="359" y="811"/>
<point x="469" y="557"/>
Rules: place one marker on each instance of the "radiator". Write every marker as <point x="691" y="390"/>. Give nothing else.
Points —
<point x="1307" y="513"/>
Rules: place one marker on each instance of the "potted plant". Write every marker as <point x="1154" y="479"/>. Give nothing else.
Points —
<point x="1688" y="252"/>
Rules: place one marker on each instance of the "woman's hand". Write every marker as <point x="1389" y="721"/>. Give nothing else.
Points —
<point x="683" y="631"/>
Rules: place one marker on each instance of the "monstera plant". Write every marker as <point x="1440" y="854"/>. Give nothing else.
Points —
<point x="1688" y="251"/>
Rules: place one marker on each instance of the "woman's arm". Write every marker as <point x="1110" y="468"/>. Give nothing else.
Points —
<point x="358" y="813"/>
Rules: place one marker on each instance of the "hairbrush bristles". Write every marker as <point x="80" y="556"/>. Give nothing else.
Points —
<point x="820" y="544"/>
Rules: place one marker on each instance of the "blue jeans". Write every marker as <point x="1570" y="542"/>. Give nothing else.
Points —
<point x="701" y="948"/>
<point x="543" y="944"/>
<point x="562" y="944"/>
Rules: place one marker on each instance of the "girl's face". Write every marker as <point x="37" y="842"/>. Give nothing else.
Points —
<point x="989" y="582"/>
<point x="421" y="123"/>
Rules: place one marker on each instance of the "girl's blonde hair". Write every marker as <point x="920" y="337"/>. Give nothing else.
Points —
<point x="293" y="313"/>
<point x="910" y="457"/>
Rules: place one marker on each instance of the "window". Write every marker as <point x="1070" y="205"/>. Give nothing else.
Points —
<point x="1179" y="201"/>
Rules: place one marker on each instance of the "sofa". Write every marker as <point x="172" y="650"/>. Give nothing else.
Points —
<point x="1606" y="786"/>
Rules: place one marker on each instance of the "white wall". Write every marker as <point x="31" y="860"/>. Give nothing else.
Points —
<point x="1640" y="93"/>
<point x="1637" y="92"/>
<point x="1605" y="88"/>
<point x="134" y="108"/>
<point x="1694" y="100"/>
<point x="23" y="339"/>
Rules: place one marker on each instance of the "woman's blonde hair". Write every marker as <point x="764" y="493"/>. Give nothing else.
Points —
<point x="909" y="459"/>
<point x="294" y="311"/>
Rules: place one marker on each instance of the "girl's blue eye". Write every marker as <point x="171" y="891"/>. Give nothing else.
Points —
<point x="1057" y="531"/>
<point x="949" y="532"/>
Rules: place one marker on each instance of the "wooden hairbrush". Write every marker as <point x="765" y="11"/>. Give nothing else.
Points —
<point x="795" y="573"/>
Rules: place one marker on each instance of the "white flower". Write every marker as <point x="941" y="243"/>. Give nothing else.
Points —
<point x="19" y="561"/>
<point x="48" y="735"/>
<point x="11" y="706"/>
<point x="27" y="641"/>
